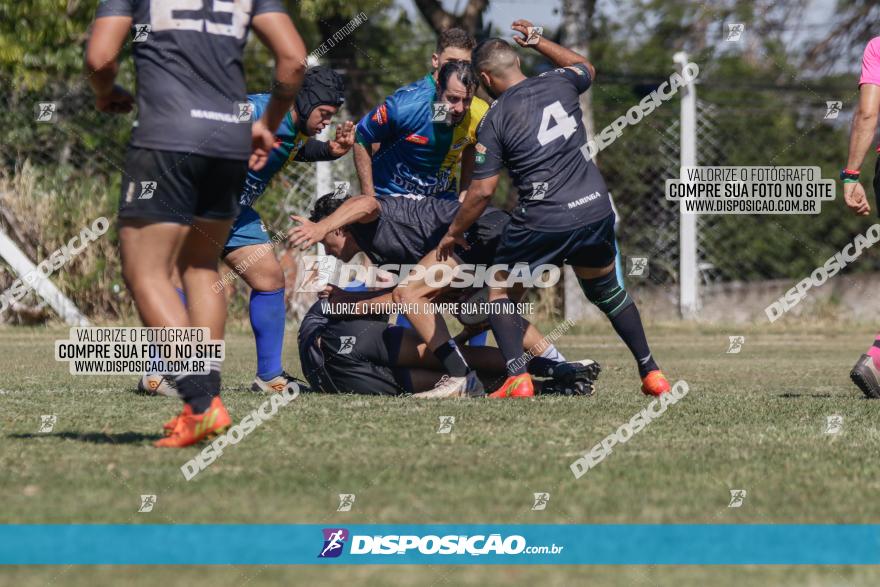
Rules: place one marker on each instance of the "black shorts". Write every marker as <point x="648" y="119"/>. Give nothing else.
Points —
<point x="592" y="245"/>
<point x="484" y="237"/>
<point x="167" y="186"/>
<point x="360" y="356"/>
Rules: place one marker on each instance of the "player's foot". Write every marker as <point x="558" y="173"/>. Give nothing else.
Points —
<point x="192" y="428"/>
<point x="573" y="378"/>
<point x="156" y="384"/>
<point x="515" y="386"/>
<point x="469" y="386"/>
<point x="169" y="426"/>
<point x="280" y="383"/>
<point x="866" y="376"/>
<point x="655" y="383"/>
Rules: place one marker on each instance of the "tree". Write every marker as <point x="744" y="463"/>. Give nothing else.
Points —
<point x="439" y="19"/>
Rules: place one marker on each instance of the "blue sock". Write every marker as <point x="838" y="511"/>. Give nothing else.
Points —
<point x="479" y="340"/>
<point x="182" y="295"/>
<point x="267" y="321"/>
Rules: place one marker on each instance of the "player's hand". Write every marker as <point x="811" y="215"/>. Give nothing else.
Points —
<point x="522" y="26"/>
<point x="118" y="101"/>
<point x="262" y="143"/>
<point x="344" y="139"/>
<point x="306" y="234"/>
<point x="448" y="244"/>
<point x="855" y="198"/>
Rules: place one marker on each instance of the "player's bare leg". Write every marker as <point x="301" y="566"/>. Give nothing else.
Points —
<point x="602" y="288"/>
<point x="197" y="263"/>
<point x="153" y="281"/>
<point x="260" y="269"/>
<point x="431" y="327"/>
<point x="149" y="276"/>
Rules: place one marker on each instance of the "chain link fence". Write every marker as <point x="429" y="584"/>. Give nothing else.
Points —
<point x="60" y="174"/>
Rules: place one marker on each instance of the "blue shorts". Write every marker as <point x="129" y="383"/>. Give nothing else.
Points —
<point x="592" y="245"/>
<point x="248" y="229"/>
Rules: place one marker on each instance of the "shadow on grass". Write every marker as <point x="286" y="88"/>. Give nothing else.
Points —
<point x="93" y="437"/>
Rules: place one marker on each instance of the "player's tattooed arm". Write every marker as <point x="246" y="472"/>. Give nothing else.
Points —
<point x="363" y="164"/>
<point x="108" y="36"/>
<point x="861" y="136"/>
<point x="359" y="209"/>
<point x="276" y="31"/>
<point x="478" y="195"/>
<point x="556" y="53"/>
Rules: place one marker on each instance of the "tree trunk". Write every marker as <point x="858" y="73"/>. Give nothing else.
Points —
<point x="471" y="19"/>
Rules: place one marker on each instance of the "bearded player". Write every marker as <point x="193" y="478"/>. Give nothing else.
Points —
<point x="564" y="214"/>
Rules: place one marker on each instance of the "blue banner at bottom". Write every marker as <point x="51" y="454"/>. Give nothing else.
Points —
<point x="247" y="544"/>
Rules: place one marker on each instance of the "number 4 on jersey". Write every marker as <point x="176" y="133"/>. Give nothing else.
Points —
<point x="564" y="125"/>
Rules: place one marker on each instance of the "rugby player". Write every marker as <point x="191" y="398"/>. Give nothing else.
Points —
<point x="249" y="246"/>
<point x="341" y="353"/>
<point x="249" y="250"/>
<point x="402" y="149"/>
<point x="564" y="213"/>
<point x="187" y="160"/>
<point x="866" y="372"/>
<point x="404" y="230"/>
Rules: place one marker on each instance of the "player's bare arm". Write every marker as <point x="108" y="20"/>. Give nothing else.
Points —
<point x="363" y="163"/>
<point x="359" y="209"/>
<point x="556" y="53"/>
<point x="108" y="36"/>
<point x="276" y="31"/>
<point x="864" y="124"/>
<point x="478" y="195"/>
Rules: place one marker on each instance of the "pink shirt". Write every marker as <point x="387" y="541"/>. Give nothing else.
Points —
<point x="871" y="63"/>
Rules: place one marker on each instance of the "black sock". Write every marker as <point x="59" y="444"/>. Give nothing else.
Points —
<point x="198" y="390"/>
<point x="452" y="359"/>
<point x="628" y="325"/>
<point x="508" y="328"/>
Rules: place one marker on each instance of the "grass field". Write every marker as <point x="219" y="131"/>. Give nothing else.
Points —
<point x="754" y="421"/>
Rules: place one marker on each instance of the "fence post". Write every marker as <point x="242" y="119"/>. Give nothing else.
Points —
<point x="41" y="285"/>
<point x="689" y="300"/>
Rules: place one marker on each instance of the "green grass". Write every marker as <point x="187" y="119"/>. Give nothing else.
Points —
<point x="752" y="421"/>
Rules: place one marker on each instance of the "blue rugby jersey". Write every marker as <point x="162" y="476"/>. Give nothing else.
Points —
<point x="417" y="155"/>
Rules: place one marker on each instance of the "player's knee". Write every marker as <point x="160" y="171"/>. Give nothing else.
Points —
<point x="266" y="280"/>
<point x="402" y="295"/>
<point x="607" y="294"/>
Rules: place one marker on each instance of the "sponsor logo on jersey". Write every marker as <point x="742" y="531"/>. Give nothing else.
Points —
<point x="480" y="156"/>
<point x="381" y="115"/>
<point x="417" y="139"/>
<point x="584" y="200"/>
